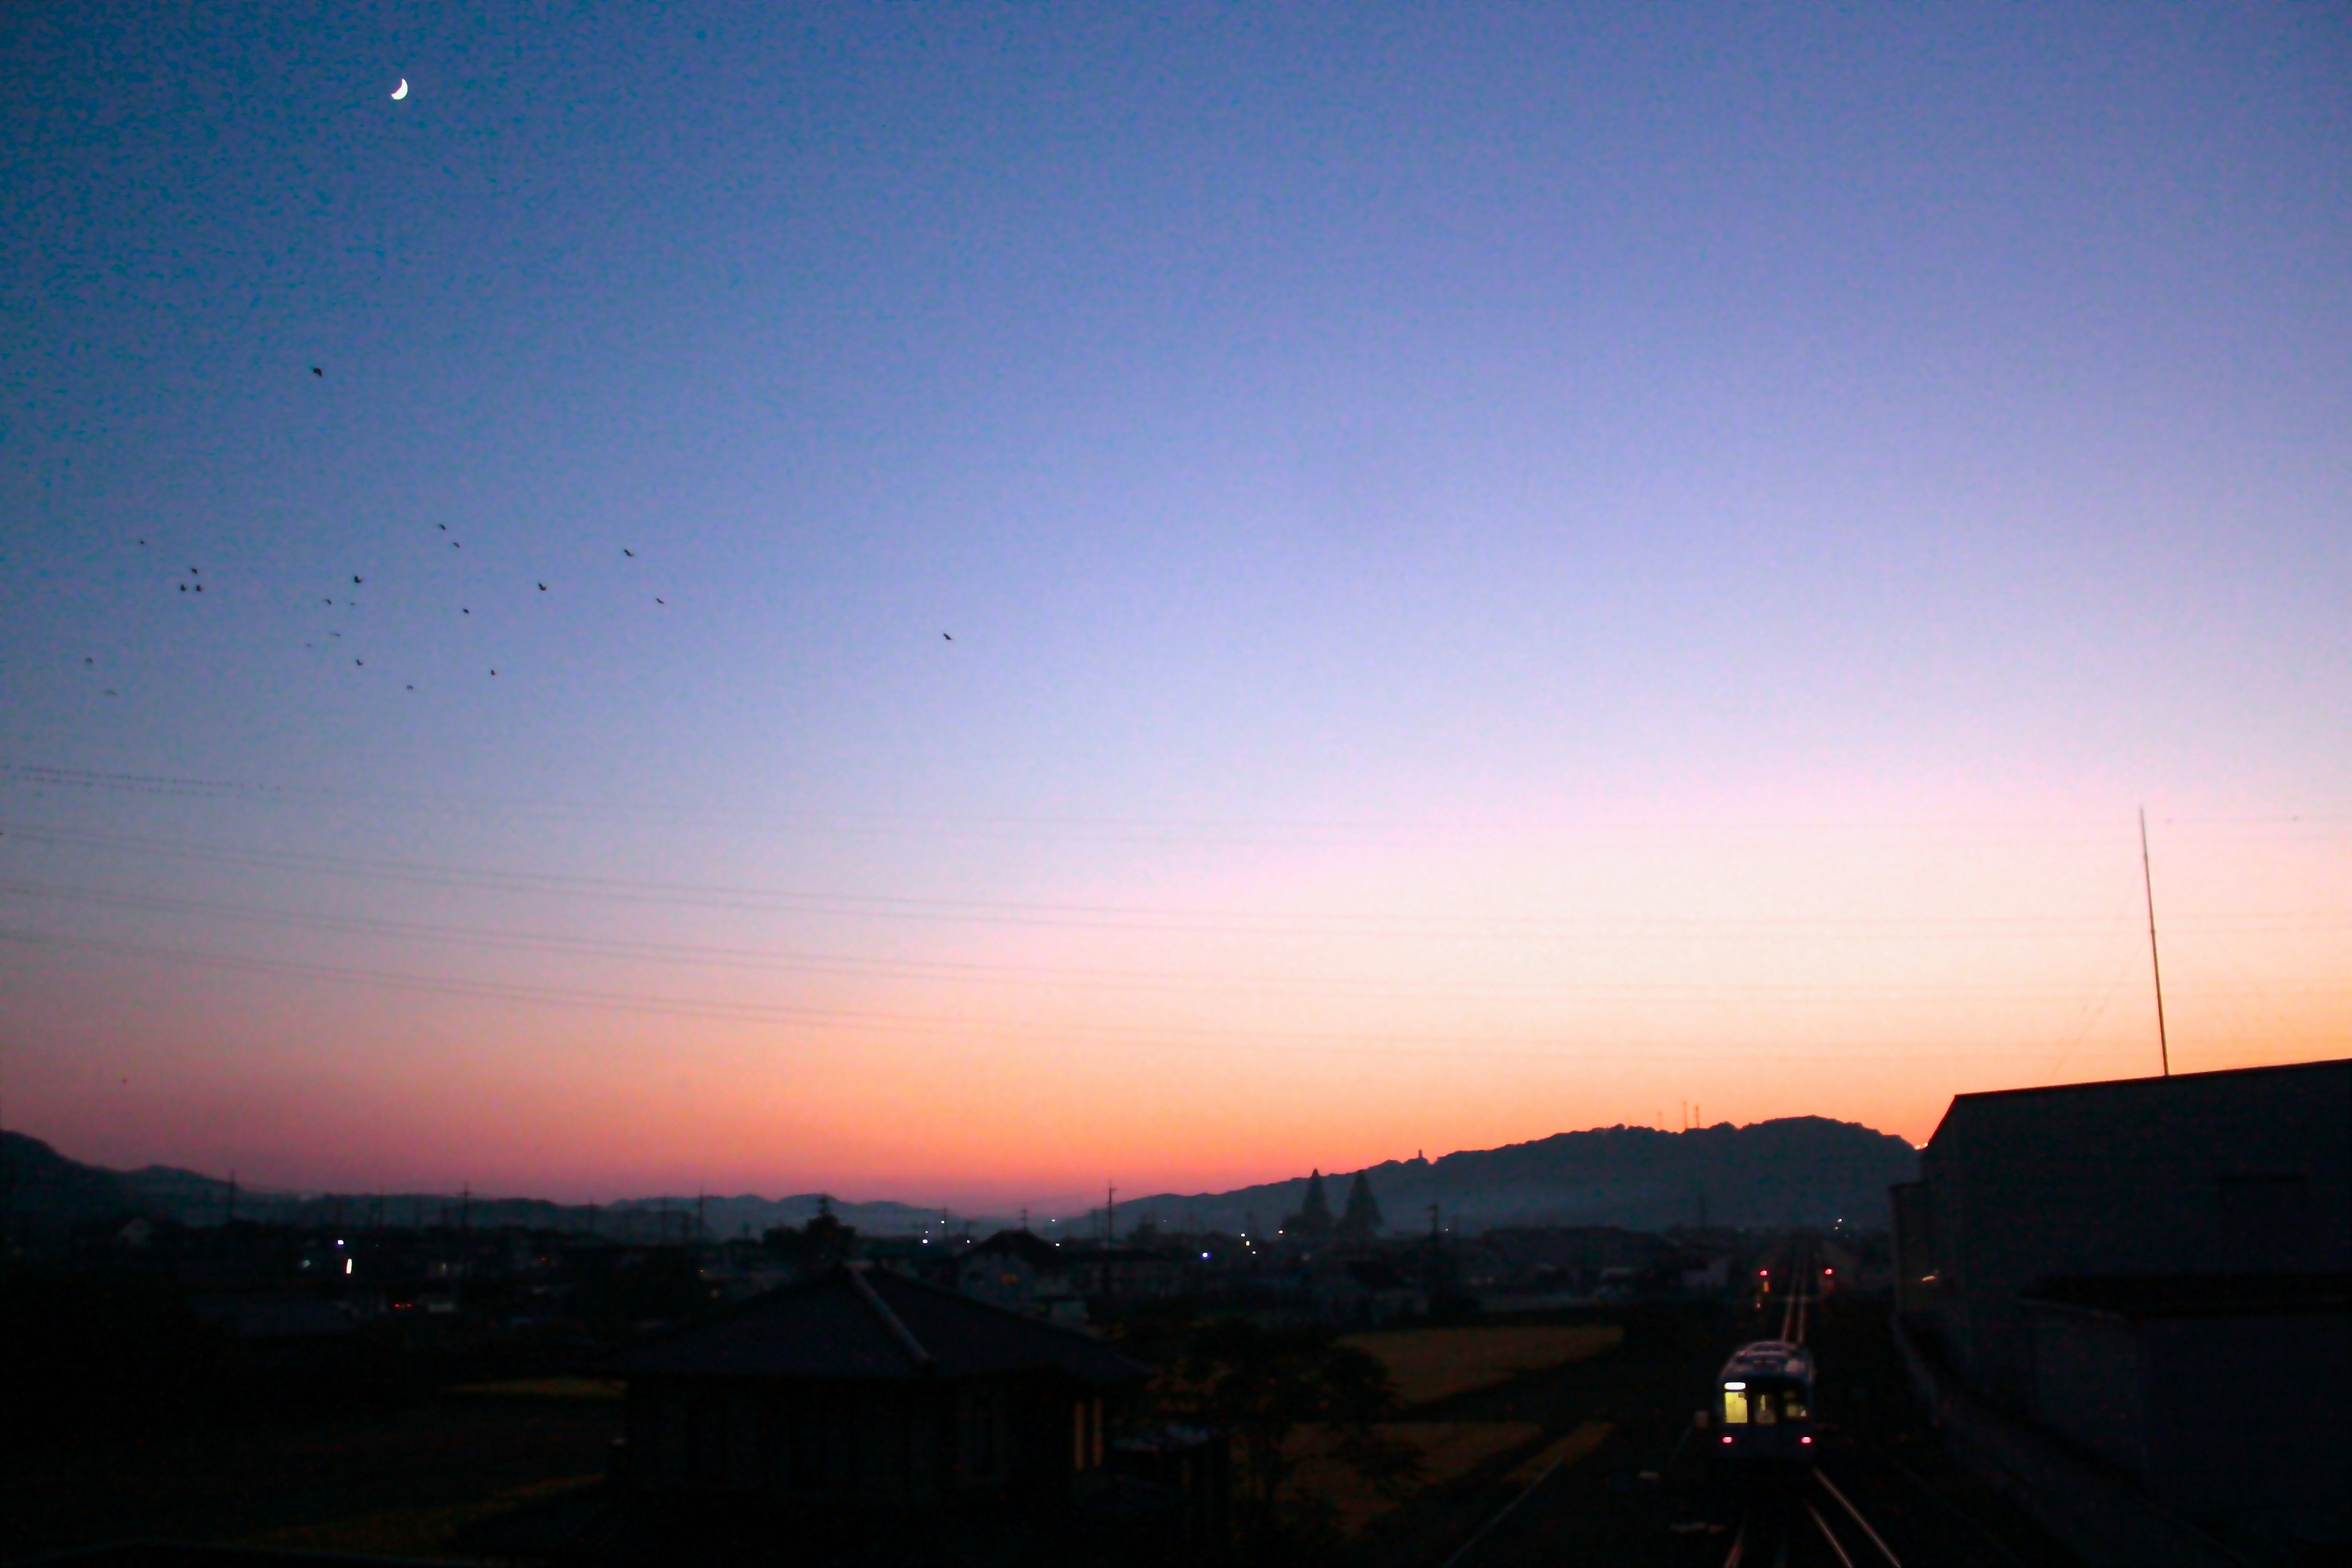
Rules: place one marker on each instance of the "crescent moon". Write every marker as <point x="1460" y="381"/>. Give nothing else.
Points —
<point x="402" y="90"/>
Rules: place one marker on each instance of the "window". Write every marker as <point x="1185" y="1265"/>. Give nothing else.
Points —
<point x="1734" y="1406"/>
<point x="705" y="1441"/>
<point x="979" y="1414"/>
<point x="824" y="1443"/>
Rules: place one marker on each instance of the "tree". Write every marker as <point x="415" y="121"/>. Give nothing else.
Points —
<point x="1363" y="1220"/>
<point x="1263" y="1385"/>
<point x="1313" y="1220"/>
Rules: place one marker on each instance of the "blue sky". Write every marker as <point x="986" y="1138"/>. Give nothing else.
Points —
<point x="1313" y="428"/>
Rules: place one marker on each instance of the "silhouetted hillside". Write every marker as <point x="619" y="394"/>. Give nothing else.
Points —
<point x="1802" y="1170"/>
<point x="38" y="1185"/>
<point x="50" y="1190"/>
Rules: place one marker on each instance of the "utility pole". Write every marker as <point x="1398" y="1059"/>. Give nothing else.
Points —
<point x="2155" y="968"/>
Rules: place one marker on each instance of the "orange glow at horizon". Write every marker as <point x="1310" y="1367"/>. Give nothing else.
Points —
<point x="1195" y="1023"/>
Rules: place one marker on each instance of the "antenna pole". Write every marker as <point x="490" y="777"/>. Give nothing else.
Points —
<point x="2154" y="966"/>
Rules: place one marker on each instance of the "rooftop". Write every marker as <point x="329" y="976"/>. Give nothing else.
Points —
<point x="856" y="1322"/>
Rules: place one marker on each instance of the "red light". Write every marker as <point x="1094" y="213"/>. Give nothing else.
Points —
<point x="1726" y="1438"/>
<point x="1804" y="1439"/>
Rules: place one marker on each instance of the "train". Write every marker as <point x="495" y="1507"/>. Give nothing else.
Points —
<point x="1764" y="1405"/>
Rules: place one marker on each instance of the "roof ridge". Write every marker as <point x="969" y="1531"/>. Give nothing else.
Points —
<point x="881" y="1309"/>
<point x="982" y="1303"/>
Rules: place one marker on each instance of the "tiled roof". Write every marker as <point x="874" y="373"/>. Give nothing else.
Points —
<point x="856" y="1322"/>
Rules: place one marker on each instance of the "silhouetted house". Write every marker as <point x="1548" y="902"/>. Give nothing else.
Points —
<point x="865" y="1389"/>
<point x="2157" y="1270"/>
<point x="1022" y="1270"/>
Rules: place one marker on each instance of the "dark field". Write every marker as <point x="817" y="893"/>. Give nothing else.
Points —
<point x="1648" y="1494"/>
<point x="404" y="1480"/>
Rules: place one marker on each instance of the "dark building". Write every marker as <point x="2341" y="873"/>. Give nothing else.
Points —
<point x="1025" y="1272"/>
<point x="2159" y="1270"/>
<point x="866" y="1389"/>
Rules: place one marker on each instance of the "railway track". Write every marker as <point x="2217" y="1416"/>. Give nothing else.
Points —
<point x="1786" y="1523"/>
<point x="1856" y="1506"/>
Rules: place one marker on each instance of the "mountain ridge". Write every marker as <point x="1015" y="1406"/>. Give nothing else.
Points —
<point x="1788" y="1171"/>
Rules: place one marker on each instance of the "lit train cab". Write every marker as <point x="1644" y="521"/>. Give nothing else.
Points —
<point x="1764" y="1405"/>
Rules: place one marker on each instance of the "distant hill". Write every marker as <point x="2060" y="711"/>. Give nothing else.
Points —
<point x="1802" y="1170"/>
<point x="42" y="1188"/>
<point x="46" y="1189"/>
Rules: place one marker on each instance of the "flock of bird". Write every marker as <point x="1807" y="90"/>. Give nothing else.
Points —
<point x="194" y="584"/>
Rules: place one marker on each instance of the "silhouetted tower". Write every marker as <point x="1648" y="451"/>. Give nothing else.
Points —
<point x="1312" y="1223"/>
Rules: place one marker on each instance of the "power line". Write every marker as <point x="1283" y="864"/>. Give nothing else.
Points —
<point x="878" y="906"/>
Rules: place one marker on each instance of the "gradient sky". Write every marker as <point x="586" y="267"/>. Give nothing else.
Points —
<point x="1509" y="568"/>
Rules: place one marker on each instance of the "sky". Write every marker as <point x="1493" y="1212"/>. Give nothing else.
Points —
<point x="965" y="603"/>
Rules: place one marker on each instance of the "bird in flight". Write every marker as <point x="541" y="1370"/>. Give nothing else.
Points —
<point x="316" y="371"/>
<point x="944" y="638"/>
<point x="542" y="588"/>
<point x="355" y="576"/>
<point x="659" y="600"/>
<point x="629" y="553"/>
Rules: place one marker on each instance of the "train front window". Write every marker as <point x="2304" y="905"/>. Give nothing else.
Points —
<point x="1735" y="1405"/>
<point x="1765" y="1415"/>
<point x="1793" y="1402"/>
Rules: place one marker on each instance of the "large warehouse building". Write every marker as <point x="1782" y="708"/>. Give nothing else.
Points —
<point x="2158" y="1271"/>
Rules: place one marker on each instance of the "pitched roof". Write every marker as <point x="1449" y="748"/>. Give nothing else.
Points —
<point x="859" y="1322"/>
<point x="1027" y="1246"/>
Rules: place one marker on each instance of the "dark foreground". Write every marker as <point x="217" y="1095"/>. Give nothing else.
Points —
<point x="436" y="1478"/>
